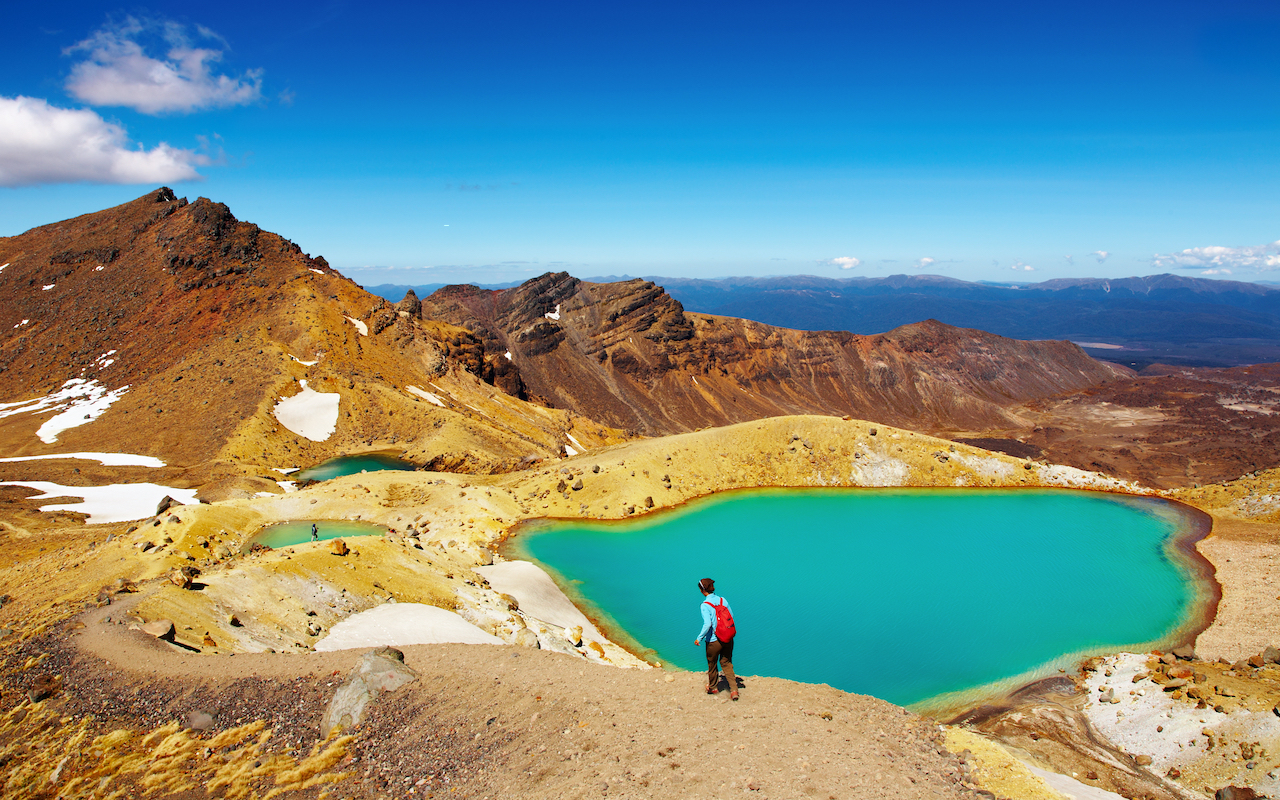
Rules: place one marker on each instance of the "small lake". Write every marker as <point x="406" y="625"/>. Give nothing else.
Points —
<point x="298" y="531"/>
<point x="352" y="465"/>
<point x="924" y="597"/>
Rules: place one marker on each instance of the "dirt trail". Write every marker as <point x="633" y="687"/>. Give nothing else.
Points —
<point x="490" y="721"/>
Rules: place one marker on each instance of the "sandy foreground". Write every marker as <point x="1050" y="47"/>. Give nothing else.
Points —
<point x="556" y="719"/>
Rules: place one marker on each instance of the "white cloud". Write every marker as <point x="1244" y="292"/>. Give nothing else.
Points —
<point x="40" y="143"/>
<point x="1018" y="266"/>
<point x="1215" y="272"/>
<point x="1101" y="255"/>
<point x="844" y="262"/>
<point x="1259" y="258"/>
<point x="118" y="71"/>
<point x="925" y="262"/>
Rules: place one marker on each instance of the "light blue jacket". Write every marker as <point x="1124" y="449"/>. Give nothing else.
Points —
<point x="708" y="631"/>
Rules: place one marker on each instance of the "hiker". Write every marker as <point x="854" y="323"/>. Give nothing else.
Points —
<point x="315" y="533"/>
<point x="718" y="630"/>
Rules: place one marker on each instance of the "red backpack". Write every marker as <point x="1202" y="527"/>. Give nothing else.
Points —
<point x="725" y="629"/>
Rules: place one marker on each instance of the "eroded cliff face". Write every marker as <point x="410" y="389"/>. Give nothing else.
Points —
<point x="628" y="355"/>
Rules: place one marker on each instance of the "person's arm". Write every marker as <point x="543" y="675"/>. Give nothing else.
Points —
<point x="708" y="623"/>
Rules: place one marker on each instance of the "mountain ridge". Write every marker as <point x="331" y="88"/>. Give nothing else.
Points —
<point x="629" y="355"/>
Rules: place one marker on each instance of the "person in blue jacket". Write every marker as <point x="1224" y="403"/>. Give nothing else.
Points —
<point x="717" y="651"/>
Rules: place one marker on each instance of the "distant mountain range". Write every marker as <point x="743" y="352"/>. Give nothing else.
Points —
<point x="1135" y="321"/>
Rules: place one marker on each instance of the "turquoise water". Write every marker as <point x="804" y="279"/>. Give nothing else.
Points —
<point x="352" y="465"/>
<point x="283" y="534"/>
<point x="901" y="594"/>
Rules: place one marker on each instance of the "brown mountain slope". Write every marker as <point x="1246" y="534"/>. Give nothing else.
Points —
<point x="198" y="324"/>
<point x="628" y="355"/>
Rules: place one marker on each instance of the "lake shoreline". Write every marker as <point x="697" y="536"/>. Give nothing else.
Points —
<point x="1193" y="526"/>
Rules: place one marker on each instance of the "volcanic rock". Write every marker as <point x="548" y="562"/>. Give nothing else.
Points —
<point x="378" y="671"/>
<point x="637" y="360"/>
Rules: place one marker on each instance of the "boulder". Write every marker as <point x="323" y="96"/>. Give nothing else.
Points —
<point x="1143" y="760"/>
<point x="577" y="485"/>
<point x="184" y="577"/>
<point x="1186" y="652"/>
<point x="1271" y="655"/>
<point x="380" y="670"/>
<point x="1257" y="662"/>
<point x="574" y="635"/>
<point x="44" y="686"/>
<point x="339" y="547"/>
<point x="199" y="721"/>
<point x="160" y="628"/>
<point x="648" y="502"/>
<point x="165" y="504"/>
<point x="525" y="638"/>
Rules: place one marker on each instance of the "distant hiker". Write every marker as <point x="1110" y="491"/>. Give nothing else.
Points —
<point x="315" y="533"/>
<point x="718" y="630"/>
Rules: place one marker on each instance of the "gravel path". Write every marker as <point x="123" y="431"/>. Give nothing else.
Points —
<point x="484" y="721"/>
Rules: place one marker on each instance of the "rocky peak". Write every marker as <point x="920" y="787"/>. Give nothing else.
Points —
<point x="410" y="305"/>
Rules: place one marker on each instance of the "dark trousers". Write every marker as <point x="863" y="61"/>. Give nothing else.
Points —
<point x="723" y="653"/>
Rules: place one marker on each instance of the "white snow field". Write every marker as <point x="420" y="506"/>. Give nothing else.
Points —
<point x="105" y="459"/>
<point x="360" y="326"/>
<point x="310" y="414"/>
<point x="398" y="624"/>
<point x="538" y="596"/>
<point x="116" y="502"/>
<point x="79" y="400"/>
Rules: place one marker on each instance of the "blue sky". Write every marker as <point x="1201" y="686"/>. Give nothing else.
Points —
<point x="487" y="142"/>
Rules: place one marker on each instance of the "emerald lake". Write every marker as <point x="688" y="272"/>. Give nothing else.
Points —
<point x="915" y="596"/>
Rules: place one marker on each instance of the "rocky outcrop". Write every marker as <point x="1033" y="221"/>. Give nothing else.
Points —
<point x="629" y="355"/>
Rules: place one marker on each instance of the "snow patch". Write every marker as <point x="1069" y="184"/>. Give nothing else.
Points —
<point x="576" y="443"/>
<point x="508" y="355"/>
<point x="288" y="486"/>
<point x="20" y="324"/>
<point x="316" y="271"/>
<point x="99" y="268"/>
<point x="424" y="394"/>
<point x="399" y="624"/>
<point x="2" y="266"/>
<point x="117" y="502"/>
<point x="79" y="400"/>
<point x="105" y="459"/>
<point x="555" y="315"/>
<point x="286" y="470"/>
<point x="538" y="596"/>
<point x="360" y="326"/>
<point x="310" y="414"/>
<point x="47" y="287"/>
<point x="570" y="451"/>
<point x="105" y="360"/>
